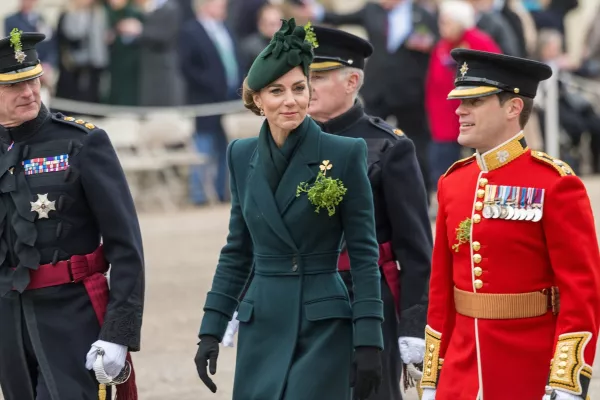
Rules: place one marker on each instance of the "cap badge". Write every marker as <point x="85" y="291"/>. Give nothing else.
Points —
<point x="464" y="69"/>
<point x="15" y="42"/>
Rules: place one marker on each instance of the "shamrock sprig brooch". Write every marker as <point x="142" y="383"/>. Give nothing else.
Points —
<point x="463" y="233"/>
<point x="326" y="192"/>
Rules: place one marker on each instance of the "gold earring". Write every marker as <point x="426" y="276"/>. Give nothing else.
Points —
<point x="262" y="112"/>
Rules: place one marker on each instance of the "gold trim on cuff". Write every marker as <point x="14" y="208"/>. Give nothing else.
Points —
<point x="568" y="363"/>
<point x="432" y="362"/>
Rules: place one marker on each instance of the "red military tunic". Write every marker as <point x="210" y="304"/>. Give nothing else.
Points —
<point x="473" y="351"/>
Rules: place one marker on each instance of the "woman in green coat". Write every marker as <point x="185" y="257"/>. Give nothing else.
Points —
<point x="297" y="194"/>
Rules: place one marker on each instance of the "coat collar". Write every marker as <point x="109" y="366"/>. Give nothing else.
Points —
<point x="503" y="154"/>
<point x="300" y="169"/>
<point x="345" y="120"/>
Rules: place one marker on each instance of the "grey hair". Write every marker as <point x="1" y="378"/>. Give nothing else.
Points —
<point x="459" y="11"/>
<point x="347" y="71"/>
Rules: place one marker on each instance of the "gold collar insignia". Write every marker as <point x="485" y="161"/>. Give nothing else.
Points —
<point x="503" y="154"/>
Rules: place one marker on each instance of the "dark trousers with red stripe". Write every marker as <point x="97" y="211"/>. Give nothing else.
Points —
<point x="45" y="335"/>
<point x="391" y="361"/>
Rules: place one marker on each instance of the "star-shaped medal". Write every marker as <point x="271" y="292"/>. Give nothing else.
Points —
<point x="464" y="69"/>
<point x="42" y="206"/>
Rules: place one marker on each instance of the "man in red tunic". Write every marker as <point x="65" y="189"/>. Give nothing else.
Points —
<point x="515" y="284"/>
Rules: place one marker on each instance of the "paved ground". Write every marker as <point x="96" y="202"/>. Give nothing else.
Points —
<point x="182" y="251"/>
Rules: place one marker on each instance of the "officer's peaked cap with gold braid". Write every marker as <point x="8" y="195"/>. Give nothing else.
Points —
<point x="339" y="49"/>
<point x="19" y="58"/>
<point x="480" y="73"/>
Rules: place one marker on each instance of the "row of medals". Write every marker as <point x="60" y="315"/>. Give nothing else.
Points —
<point x="511" y="210"/>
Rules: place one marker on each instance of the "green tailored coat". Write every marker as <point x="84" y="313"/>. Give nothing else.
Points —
<point x="297" y="326"/>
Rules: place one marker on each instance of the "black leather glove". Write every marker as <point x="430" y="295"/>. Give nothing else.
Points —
<point x="208" y="351"/>
<point x="365" y="375"/>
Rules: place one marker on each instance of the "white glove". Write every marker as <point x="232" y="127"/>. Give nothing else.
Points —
<point x="562" y="395"/>
<point x="412" y="350"/>
<point x="428" y="394"/>
<point x="113" y="359"/>
<point x="232" y="328"/>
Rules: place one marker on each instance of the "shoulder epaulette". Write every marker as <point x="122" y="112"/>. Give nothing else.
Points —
<point x="384" y="126"/>
<point x="560" y="166"/>
<point x="460" y="163"/>
<point x="81" y="124"/>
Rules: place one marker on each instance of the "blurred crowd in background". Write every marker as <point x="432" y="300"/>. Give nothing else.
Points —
<point x="169" y="53"/>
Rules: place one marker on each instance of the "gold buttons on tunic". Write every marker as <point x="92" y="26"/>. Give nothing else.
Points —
<point x="431" y="347"/>
<point x="560" y="372"/>
<point x="565" y="349"/>
<point x="476" y="246"/>
<point x="478" y="284"/>
<point x="477" y="218"/>
<point x="477" y="271"/>
<point x="483" y="182"/>
<point x="564" y="356"/>
<point x="480" y="193"/>
<point x="478" y="206"/>
<point x="476" y="258"/>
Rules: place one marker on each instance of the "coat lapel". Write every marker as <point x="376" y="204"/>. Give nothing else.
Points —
<point x="263" y="197"/>
<point x="301" y="168"/>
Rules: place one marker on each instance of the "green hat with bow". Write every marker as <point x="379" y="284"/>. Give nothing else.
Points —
<point x="291" y="46"/>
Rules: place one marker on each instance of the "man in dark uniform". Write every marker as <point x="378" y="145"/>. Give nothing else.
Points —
<point x="66" y="214"/>
<point x="403" y="227"/>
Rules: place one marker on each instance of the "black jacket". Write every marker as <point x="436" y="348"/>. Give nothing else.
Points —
<point x="401" y="213"/>
<point x="93" y="205"/>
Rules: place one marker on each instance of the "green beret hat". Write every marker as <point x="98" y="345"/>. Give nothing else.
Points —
<point x="291" y="46"/>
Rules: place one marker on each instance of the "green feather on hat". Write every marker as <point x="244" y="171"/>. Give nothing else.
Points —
<point x="291" y="46"/>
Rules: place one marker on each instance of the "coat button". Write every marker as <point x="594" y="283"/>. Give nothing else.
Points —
<point x="480" y="193"/>
<point x="478" y="283"/>
<point x="476" y="246"/>
<point x="478" y="206"/>
<point x="294" y="264"/>
<point x="477" y="271"/>
<point x="483" y="182"/>
<point x="477" y="218"/>
<point x="477" y="258"/>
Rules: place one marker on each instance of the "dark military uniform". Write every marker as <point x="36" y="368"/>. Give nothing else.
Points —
<point x="403" y="227"/>
<point x="66" y="213"/>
